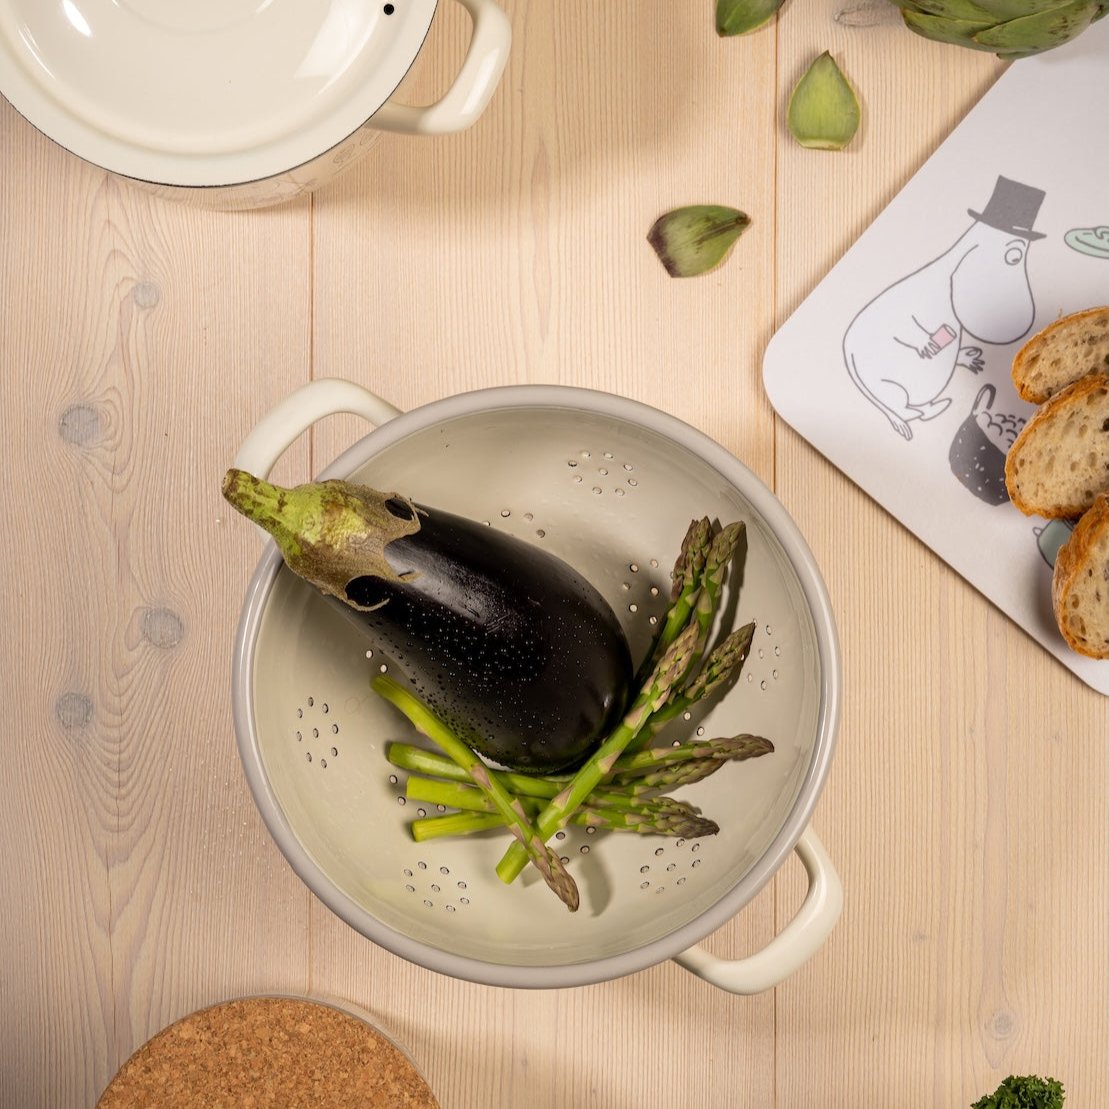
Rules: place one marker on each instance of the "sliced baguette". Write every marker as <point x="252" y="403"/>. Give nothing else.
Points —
<point x="1061" y="353"/>
<point x="1080" y="584"/>
<point x="1060" y="460"/>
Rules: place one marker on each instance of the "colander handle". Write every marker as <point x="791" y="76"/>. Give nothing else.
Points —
<point x="473" y="88"/>
<point x="801" y="938"/>
<point x="279" y="428"/>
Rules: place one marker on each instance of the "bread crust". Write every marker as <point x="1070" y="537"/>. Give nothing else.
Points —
<point x="1070" y="564"/>
<point x="1034" y="348"/>
<point x="1073" y="393"/>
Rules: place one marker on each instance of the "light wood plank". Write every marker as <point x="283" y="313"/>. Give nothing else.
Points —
<point x="517" y="253"/>
<point x="966" y="808"/>
<point x="142" y="340"/>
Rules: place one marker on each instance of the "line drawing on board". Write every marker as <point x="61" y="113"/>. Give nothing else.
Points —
<point x="901" y="350"/>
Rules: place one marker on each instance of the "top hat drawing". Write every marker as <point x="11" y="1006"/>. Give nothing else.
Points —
<point x="1012" y="207"/>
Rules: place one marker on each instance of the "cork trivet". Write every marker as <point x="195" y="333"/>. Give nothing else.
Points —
<point x="268" y="1052"/>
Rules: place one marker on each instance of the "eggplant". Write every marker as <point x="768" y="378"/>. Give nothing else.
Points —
<point x="510" y="646"/>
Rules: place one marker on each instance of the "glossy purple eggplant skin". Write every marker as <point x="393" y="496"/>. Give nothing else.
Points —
<point x="508" y="644"/>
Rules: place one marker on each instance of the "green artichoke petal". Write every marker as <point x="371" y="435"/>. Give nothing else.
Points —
<point x="1001" y="11"/>
<point x="1043" y="31"/>
<point x="823" y="111"/>
<point x="956" y="31"/>
<point x="959" y="10"/>
<point x="739" y="17"/>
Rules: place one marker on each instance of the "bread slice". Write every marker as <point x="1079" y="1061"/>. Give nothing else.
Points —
<point x="1080" y="585"/>
<point x="1060" y="461"/>
<point x="1063" y="352"/>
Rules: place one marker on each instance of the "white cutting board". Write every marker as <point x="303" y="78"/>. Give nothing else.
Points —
<point x="897" y="366"/>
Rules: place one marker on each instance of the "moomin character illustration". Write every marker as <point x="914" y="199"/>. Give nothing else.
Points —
<point x="902" y="349"/>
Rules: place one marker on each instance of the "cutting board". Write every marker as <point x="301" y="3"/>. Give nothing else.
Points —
<point x="897" y="366"/>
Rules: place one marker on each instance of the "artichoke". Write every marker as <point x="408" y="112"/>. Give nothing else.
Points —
<point x="1010" y="28"/>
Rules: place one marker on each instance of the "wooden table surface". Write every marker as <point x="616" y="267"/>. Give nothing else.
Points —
<point x="966" y="808"/>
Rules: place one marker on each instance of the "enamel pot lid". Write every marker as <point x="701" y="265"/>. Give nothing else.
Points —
<point x="205" y="92"/>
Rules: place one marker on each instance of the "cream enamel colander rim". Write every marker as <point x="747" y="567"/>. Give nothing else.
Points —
<point x="809" y="928"/>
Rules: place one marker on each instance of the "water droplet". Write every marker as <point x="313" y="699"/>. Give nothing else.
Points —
<point x="407" y="872"/>
<point x="696" y="847"/>
<point x="311" y="702"/>
<point x="308" y="755"/>
<point x="762" y="684"/>
<point x="609" y="454"/>
<point x="529" y="516"/>
<point x="658" y="850"/>
<point x="392" y="779"/>
<point x="679" y="842"/>
<point x="584" y="849"/>
<point x="300" y="737"/>
<point x="768" y="629"/>
<point x="700" y="731"/>
<point x="422" y="866"/>
<point x="540" y="533"/>
<point x="560" y="835"/>
<point x="633" y="608"/>
<point x="428" y="903"/>
<point x="323" y="763"/>
<point x="572" y="463"/>
<point x="672" y="866"/>
<point x="633" y="567"/>
<point x="774" y="674"/>
<point x="369" y="653"/>
<point x="632" y="481"/>
<point x="411" y="889"/>
<point x="463" y="901"/>
<point x="434" y="888"/>
<point x="450" y="909"/>
<point x="681" y="881"/>
<point x="652" y="620"/>
<point x="644" y="869"/>
<point x="597" y="490"/>
<point x="402" y="801"/>
<point x="461" y="885"/>
<point x="590" y="830"/>
<point x="618" y="492"/>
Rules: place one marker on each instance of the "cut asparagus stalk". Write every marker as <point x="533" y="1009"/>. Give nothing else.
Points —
<point x="532" y="845"/>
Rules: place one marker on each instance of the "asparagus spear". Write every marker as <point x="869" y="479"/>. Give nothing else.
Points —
<point x="686" y="578"/>
<point x="464" y="823"/>
<point x="533" y="846"/>
<point x="456" y="795"/>
<point x="599" y="765"/>
<point x="725" y="749"/>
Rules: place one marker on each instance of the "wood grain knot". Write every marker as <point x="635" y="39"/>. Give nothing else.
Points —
<point x="1001" y="1026"/>
<point x="73" y="710"/>
<point x="146" y="294"/>
<point x="80" y="425"/>
<point x="162" y="628"/>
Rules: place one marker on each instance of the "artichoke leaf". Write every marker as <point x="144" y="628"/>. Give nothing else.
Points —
<point x="963" y="11"/>
<point x="1043" y="31"/>
<point x="693" y="240"/>
<point x="740" y="17"/>
<point x="823" y="112"/>
<point x="1001" y="11"/>
<point x="955" y="31"/>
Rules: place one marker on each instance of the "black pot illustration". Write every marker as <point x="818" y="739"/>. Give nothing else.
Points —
<point x="977" y="455"/>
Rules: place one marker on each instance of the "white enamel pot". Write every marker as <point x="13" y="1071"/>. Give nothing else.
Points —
<point x="234" y="103"/>
<point x="609" y="485"/>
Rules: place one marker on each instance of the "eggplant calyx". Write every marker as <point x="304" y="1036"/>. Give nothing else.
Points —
<point x="329" y="532"/>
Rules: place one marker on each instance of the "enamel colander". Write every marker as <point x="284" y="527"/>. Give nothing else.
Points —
<point x="610" y="486"/>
